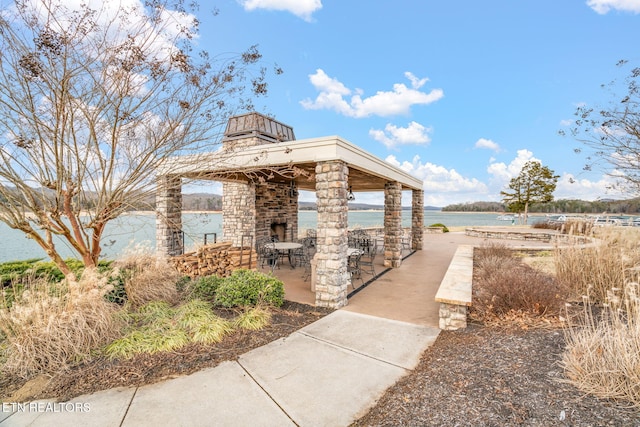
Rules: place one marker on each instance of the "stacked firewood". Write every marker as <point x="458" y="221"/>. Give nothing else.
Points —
<point x="218" y="259"/>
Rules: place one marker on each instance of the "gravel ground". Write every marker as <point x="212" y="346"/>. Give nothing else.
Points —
<point x="494" y="376"/>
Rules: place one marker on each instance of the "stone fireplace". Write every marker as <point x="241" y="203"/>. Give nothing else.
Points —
<point x="261" y="210"/>
<point x="279" y="231"/>
<point x="276" y="212"/>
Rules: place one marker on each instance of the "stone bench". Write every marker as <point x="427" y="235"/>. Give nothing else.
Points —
<point x="455" y="292"/>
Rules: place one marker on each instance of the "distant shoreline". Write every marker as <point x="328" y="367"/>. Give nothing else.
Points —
<point x="352" y="210"/>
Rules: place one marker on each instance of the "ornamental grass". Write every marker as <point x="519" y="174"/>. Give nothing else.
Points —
<point x="51" y="326"/>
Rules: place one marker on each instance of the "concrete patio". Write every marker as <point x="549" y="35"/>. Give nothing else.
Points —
<point x="406" y="293"/>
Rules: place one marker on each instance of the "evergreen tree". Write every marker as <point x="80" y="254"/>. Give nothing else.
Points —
<point x="534" y="184"/>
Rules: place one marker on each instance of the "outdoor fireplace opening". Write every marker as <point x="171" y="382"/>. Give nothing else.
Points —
<point x="279" y="231"/>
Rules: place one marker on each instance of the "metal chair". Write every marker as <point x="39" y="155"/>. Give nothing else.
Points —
<point x="272" y="256"/>
<point x="406" y="240"/>
<point x="367" y="259"/>
<point x="353" y="267"/>
<point x="301" y="255"/>
<point x="267" y="254"/>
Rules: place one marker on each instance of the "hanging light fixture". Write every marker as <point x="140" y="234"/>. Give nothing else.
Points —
<point x="293" y="191"/>
<point x="350" y="196"/>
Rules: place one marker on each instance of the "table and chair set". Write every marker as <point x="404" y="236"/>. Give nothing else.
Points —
<point x="361" y="253"/>
<point x="299" y="253"/>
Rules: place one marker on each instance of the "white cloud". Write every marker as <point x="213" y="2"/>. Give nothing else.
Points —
<point x="566" y="122"/>
<point x="416" y="83"/>
<point x="604" y="6"/>
<point x="301" y="8"/>
<point x="442" y="186"/>
<point x="488" y="144"/>
<point x="502" y="173"/>
<point x="570" y="187"/>
<point x="392" y="136"/>
<point x="399" y="101"/>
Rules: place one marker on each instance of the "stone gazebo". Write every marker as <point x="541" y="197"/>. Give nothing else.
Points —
<point x="260" y="195"/>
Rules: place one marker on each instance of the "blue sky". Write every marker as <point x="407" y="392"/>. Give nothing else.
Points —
<point x="458" y="93"/>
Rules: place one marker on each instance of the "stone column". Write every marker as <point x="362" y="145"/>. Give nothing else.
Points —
<point x="331" y="278"/>
<point x="392" y="224"/>
<point x="417" y="219"/>
<point x="238" y="212"/>
<point x="169" y="239"/>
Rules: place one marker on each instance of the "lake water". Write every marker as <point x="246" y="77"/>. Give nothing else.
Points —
<point x="126" y="232"/>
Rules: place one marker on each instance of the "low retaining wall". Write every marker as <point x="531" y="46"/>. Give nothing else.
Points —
<point x="535" y="236"/>
<point x="455" y="291"/>
<point x="434" y="230"/>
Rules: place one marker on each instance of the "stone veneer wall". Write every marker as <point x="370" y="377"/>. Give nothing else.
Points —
<point x="169" y="216"/>
<point x="274" y="204"/>
<point x="452" y="316"/>
<point x="392" y="224"/>
<point x="331" y="277"/>
<point x="552" y="238"/>
<point x="417" y="219"/>
<point x="238" y="212"/>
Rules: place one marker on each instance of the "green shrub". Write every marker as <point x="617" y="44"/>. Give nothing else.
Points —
<point x="13" y="270"/>
<point x="117" y="295"/>
<point x="182" y="283"/>
<point x="35" y="267"/>
<point x="205" y="287"/>
<point x="249" y="288"/>
<point x="444" y="227"/>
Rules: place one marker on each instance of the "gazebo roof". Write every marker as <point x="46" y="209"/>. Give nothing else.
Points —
<point x="366" y="172"/>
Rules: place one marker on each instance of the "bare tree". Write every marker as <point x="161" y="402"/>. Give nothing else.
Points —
<point x="612" y="133"/>
<point x="93" y="101"/>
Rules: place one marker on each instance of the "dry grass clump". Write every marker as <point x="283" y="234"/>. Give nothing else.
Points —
<point x="602" y="355"/>
<point x="596" y="269"/>
<point x="575" y="226"/>
<point x="503" y="285"/>
<point x="51" y="326"/>
<point x="147" y="277"/>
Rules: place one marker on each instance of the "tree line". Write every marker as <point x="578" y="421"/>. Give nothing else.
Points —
<point x="631" y="206"/>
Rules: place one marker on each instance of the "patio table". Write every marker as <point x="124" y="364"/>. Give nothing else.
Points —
<point x="288" y="247"/>
<point x="353" y="251"/>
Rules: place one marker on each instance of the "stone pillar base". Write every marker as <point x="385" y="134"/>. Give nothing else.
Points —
<point x="452" y="316"/>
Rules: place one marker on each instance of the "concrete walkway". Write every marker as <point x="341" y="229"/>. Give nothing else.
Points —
<point x="327" y="374"/>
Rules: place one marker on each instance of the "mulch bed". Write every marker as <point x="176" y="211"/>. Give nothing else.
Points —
<point x="494" y="376"/>
<point x="101" y="373"/>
